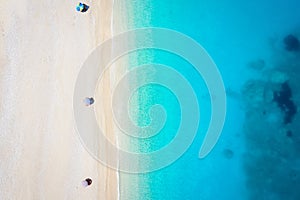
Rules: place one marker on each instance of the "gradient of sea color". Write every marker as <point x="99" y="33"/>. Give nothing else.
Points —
<point x="235" y="33"/>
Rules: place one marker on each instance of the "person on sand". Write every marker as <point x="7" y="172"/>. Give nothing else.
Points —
<point x="89" y="101"/>
<point x="81" y="7"/>
<point x="87" y="182"/>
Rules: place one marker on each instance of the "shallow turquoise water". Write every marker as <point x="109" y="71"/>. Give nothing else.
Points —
<point x="233" y="33"/>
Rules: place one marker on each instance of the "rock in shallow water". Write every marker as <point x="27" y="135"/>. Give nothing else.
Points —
<point x="228" y="153"/>
<point x="283" y="98"/>
<point x="291" y="43"/>
<point x="257" y="64"/>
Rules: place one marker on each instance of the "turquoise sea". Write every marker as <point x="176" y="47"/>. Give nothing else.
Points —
<point x="258" y="153"/>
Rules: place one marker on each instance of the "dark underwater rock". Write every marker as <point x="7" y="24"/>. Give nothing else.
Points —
<point x="228" y="153"/>
<point x="283" y="98"/>
<point x="289" y="133"/>
<point x="291" y="43"/>
<point x="258" y="64"/>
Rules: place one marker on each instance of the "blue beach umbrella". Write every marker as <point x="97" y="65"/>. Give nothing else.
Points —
<point x="81" y="7"/>
<point x="89" y="101"/>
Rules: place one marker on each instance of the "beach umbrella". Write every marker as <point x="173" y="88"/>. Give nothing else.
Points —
<point x="89" y="101"/>
<point x="81" y="7"/>
<point x="87" y="182"/>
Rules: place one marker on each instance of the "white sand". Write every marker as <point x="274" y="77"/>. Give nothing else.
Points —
<point x="43" y="45"/>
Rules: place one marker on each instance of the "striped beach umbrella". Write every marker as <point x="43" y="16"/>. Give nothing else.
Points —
<point x="81" y="7"/>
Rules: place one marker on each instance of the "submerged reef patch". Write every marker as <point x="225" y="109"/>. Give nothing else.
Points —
<point x="255" y="93"/>
<point x="291" y="43"/>
<point x="289" y="133"/>
<point x="277" y="77"/>
<point x="272" y="127"/>
<point x="258" y="64"/>
<point x="283" y="98"/>
<point x="228" y="153"/>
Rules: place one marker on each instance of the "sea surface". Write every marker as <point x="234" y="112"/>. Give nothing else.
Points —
<point x="245" y="40"/>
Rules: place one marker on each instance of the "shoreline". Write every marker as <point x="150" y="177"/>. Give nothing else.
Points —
<point x="110" y="79"/>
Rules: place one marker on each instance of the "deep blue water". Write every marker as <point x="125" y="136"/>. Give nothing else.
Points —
<point x="234" y="33"/>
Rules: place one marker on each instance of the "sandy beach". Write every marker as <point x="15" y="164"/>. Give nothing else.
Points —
<point x="43" y="45"/>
